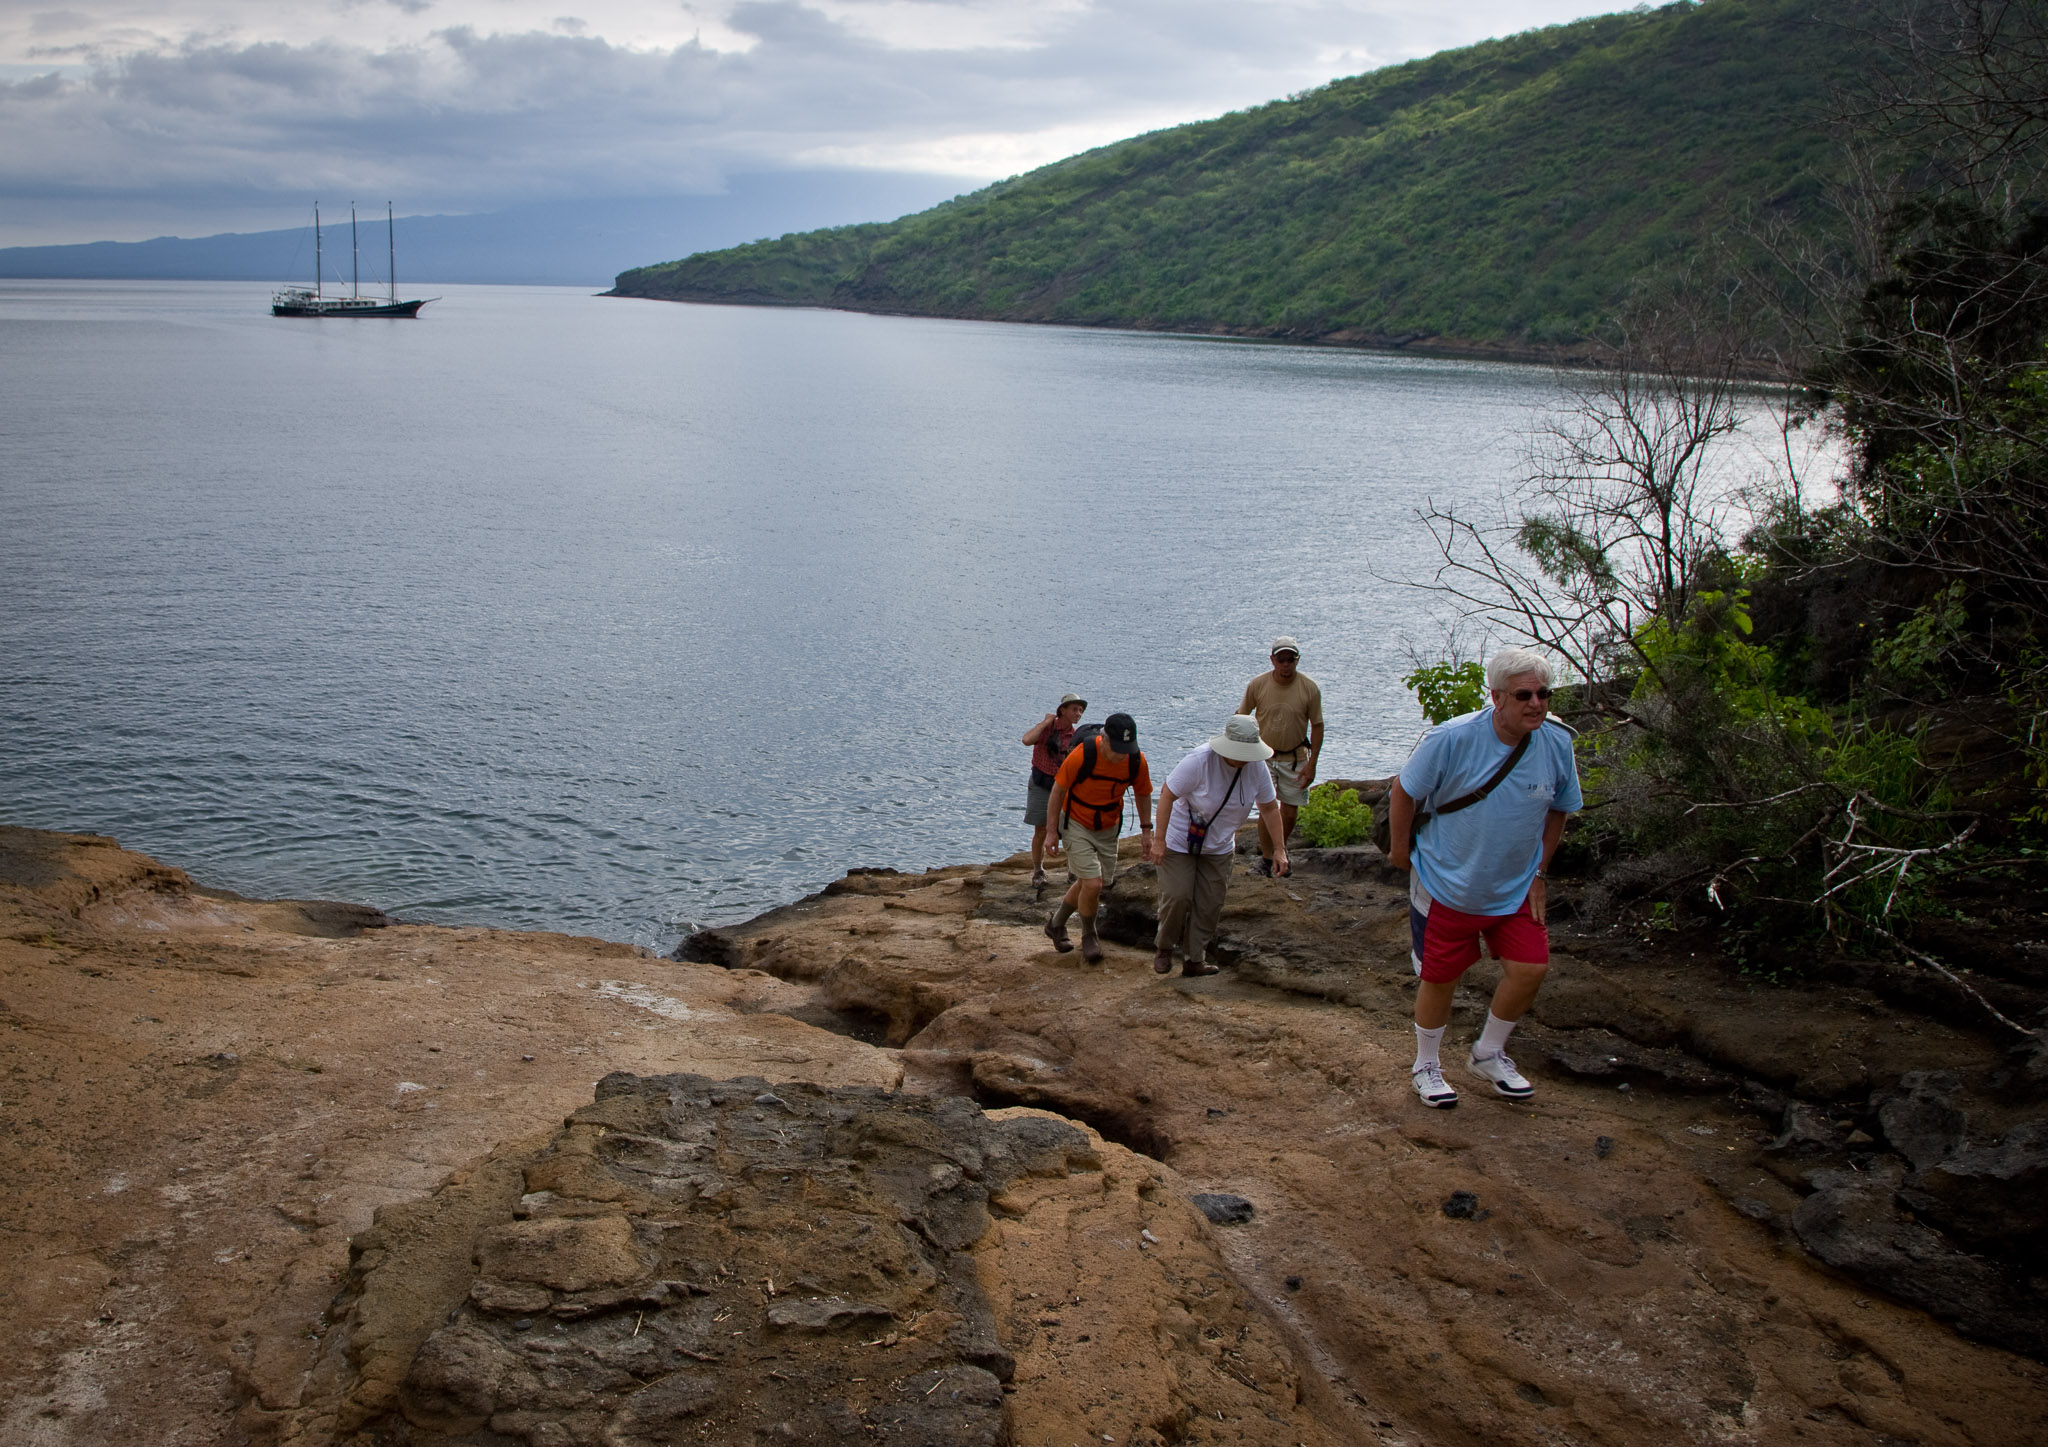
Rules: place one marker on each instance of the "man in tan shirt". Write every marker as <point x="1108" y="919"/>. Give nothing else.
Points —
<point x="1289" y="708"/>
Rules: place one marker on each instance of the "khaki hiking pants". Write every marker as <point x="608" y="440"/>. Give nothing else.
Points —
<point x="1191" y="888"/>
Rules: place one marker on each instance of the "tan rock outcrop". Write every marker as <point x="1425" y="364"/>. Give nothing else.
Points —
<point x="807" y="1265"/>
<point x="207" y="1098"/>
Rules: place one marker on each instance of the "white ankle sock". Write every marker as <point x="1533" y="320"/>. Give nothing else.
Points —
<point x="1427" y="1043"/>
<point x="1494" y="1038"/>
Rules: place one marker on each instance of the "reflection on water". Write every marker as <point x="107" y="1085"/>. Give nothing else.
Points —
<point x="554" y="611"/>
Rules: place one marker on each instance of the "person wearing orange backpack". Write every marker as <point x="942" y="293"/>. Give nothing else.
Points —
<point x="1087" y="810"/>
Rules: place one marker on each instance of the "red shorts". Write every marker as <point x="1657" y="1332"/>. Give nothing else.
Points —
<point x="1446" y="940"/>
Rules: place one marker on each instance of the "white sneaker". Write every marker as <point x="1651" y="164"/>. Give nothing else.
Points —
<point x="1433" y="1088"/>
<point x="1508" y="1082"/>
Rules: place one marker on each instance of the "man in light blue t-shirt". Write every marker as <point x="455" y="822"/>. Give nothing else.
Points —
<point x="1480" y="864"/>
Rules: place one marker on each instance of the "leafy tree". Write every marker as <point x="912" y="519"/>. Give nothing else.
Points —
<point x="1620" y="522"/>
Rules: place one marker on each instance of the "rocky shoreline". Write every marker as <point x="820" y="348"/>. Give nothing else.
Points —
<point x="880" y="1165"/>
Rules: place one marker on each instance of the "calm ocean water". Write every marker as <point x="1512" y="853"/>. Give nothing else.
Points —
<point x="621" y="617"/>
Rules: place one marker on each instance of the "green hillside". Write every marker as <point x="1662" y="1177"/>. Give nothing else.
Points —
<point x="1501" y="195"/>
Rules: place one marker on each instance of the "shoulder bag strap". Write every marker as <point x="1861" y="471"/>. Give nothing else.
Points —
<point x="1507" y="767"/>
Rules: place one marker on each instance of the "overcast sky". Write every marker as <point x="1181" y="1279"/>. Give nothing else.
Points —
<point x="122" y="119"/>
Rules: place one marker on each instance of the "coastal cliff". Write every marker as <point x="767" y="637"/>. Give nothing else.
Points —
<point x="881" y="1165"/>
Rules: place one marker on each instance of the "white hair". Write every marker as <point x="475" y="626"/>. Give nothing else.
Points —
<point x="1511" y="663"/>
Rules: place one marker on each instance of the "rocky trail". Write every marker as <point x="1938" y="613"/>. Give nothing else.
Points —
<point x="882" y="1166"/>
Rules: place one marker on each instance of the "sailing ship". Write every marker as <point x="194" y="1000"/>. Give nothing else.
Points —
<point x="297" y="301"/>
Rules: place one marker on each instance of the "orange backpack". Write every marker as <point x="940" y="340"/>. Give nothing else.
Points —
<point x="1113" y="806"/>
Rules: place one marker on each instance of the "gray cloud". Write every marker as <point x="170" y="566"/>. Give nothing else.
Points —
<point x="464" y="119"/>
<point x="57" y="22"/>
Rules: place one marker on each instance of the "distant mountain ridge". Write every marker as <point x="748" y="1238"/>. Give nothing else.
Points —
<point x="564" y="243"/>
<point x="1504" y="196"/>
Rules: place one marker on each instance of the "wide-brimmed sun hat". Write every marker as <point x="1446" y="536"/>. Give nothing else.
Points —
<point x="1072" y="698"/>
<point x="1240" y="740"/>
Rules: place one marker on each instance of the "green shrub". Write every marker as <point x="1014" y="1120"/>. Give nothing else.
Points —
<point x="1446" y="690"/>
<point x="1333" y="817"/>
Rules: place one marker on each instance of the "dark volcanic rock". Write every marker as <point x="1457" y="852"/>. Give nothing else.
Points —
<point x="709" y="947"/>
<point x="1991" y="1196"/>
<point x="1987" y="1195"/>
<point x="1602" y="1054"/>
<point x="1920" y="1119"/>
<point x="340" y="920"/>
<point x="1852" y="1222"/>
<point x="1224" y="1210"/>
<point x="1805" y="1132"/>
<point x="702" y="1258"/>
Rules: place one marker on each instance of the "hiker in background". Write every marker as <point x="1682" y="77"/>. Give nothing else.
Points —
<point x="1087" y="808"/>
<point x="1050" y="738"/>
<point x="1498" y="784"/>
<point x="1289" y="707"/>
<point x="1215" y="787"/>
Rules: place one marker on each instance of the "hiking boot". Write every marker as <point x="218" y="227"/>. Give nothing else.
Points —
<point x="1264" y="866"/>
<point x="1056" y="931"/>
<point x="1162" y="963"/>
<point x="1091" y="947"/>
<point x="1433" y="1089"/>
<point x="1038" y="879"/>
<point x="1189" y="969"/>
<point x="1507" y="1081"/>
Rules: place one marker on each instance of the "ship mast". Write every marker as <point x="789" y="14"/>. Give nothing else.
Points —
<point x="355" y="286"/>
<point x="391" y="239"/>
<point x="318" y="267"/>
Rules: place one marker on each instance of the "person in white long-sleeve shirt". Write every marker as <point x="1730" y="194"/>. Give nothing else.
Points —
<point x="1207" y="796"/>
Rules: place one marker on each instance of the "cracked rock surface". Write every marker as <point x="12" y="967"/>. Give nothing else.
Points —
<point x="690" y="1260"/>
<point x="1733" y="1213"/>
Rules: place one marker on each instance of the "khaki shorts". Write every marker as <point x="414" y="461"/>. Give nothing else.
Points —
<point x="1091" y="853"/>
<point x="1286" y="783"/>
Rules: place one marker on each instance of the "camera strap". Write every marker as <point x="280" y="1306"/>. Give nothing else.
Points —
<point x="1198" y="827"/>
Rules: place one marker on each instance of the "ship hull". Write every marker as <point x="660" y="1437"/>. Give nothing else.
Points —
<point x="342" y="309"/>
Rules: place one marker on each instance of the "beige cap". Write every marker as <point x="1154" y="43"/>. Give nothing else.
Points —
<point x="1284" y="644"/>
<point x="1072" y="698"/>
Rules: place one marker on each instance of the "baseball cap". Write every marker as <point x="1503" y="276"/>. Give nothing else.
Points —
<point x="1122" y="732"/>
<point x="1285" y="644"/>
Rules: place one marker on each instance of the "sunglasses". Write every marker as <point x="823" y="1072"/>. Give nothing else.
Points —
<point x="1523" y="695"/>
